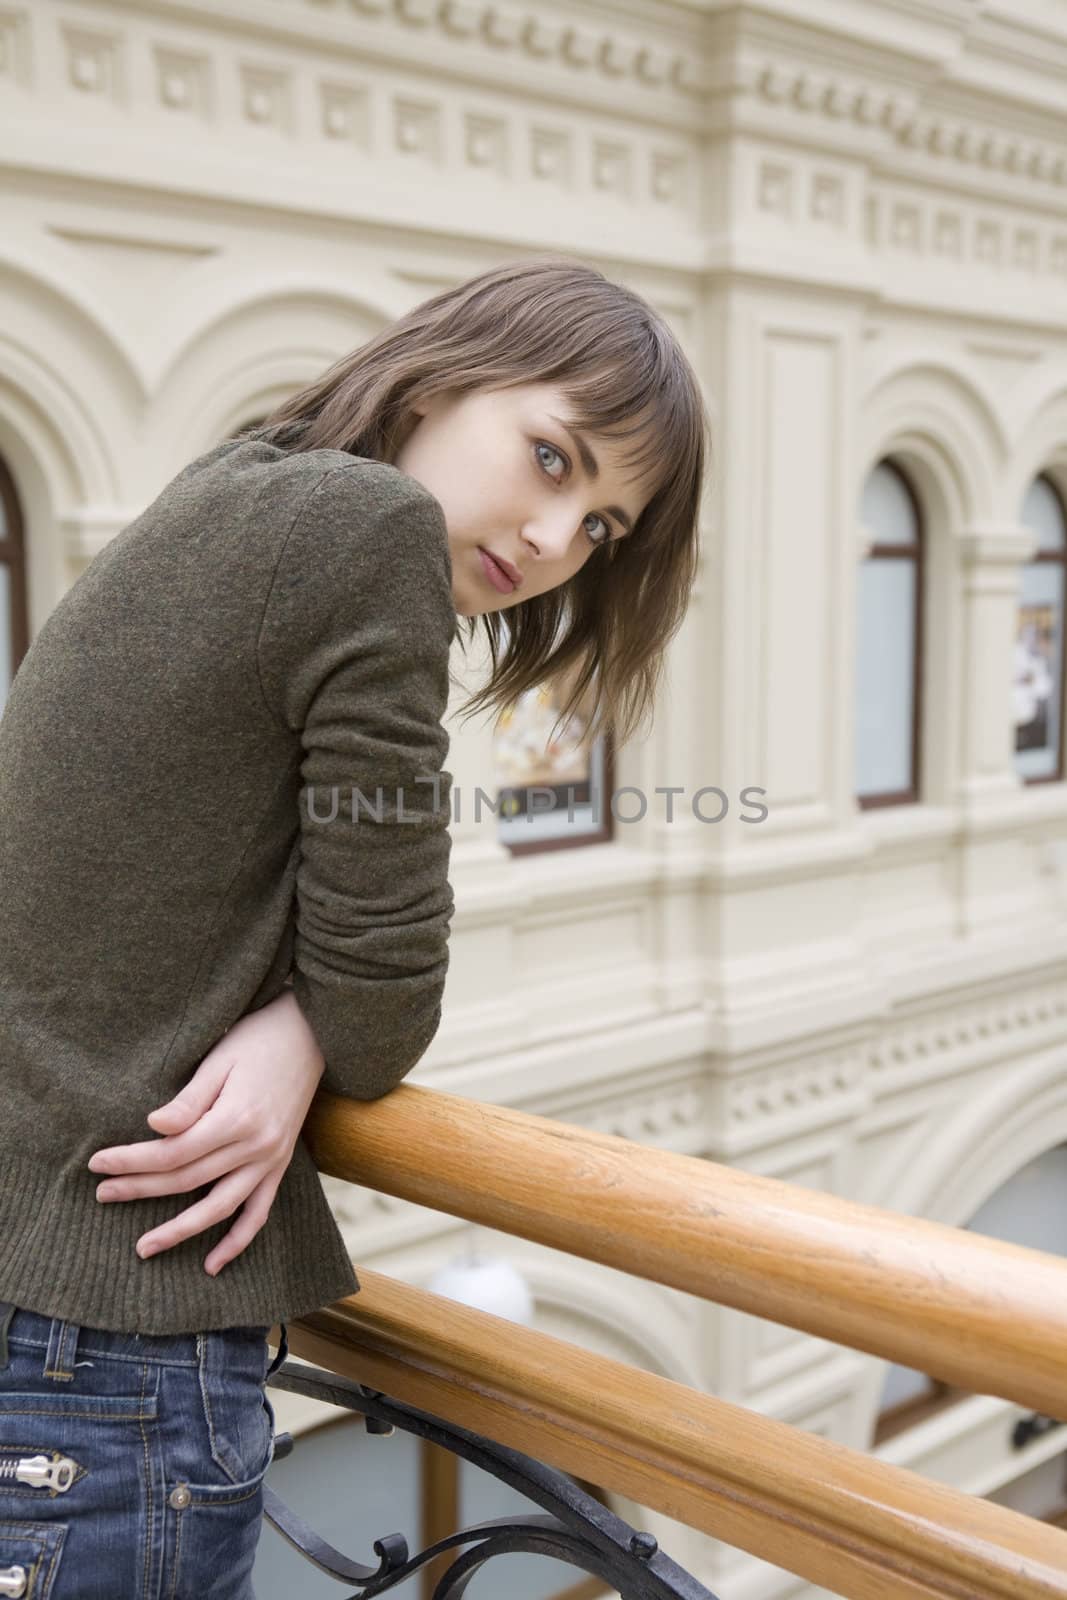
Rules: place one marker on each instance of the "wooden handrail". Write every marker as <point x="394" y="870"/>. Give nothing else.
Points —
<point x="851" y="1523"/>
<point x="975" y="1312"/>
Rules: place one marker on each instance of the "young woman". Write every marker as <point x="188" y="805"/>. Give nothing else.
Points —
<point x="224" y="850"/>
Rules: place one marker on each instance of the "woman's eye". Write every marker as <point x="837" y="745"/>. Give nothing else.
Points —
<point x="541" y="445"/>
<point x="592" y="517"/>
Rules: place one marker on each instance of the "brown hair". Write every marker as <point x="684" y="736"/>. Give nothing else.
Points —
<point x="546" y="319"/>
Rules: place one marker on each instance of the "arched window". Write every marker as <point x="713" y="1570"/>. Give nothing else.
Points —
<point x="1040" y="660"/>
<point x="14" y="614"/>
<point x="889" y="629"/>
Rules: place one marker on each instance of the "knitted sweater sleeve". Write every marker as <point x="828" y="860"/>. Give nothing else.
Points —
<point x="353" y="657"/>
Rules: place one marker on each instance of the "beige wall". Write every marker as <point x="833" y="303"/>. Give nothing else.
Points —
<point x="855" y="216"/>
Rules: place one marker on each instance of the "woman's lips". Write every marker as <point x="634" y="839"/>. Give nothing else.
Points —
<point x="496" y="574"/>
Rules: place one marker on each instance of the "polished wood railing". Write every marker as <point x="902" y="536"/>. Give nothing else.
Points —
<point x="978" y="1313"/>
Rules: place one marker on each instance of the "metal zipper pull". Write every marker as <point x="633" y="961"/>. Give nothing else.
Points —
<point x="12" y="1580"/>
<point x="40" y="1472"/>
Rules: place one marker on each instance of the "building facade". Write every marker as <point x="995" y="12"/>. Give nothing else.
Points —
<point x="827" y="937"/>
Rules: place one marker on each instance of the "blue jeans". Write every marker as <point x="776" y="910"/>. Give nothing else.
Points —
<point x="131" y="1465"/>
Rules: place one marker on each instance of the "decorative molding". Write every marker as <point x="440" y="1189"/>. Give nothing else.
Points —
<point x="653" y="1117"/>
<point x="345" y="113"/>
<point x="989" y="148"/>
<point x="956" y="232"/>
<point x="486" y="143"/>
<point x="1023" y="1019"/>
<point x="552" y="155"/>
<point x="796" y="86"/>
<point x="584" y="47"/>
<point x="266" y="98"/>
<point x="183" y="82"/>
<point x="829" y="1084"/>
<point x="200" y="81"/>
<point x="668" y="176"/>
<point x="897" y="113"/>
<point x="995" y="544"/>
<point x="95" y="64"/>
<point x="418" y="129"/>
<point x="828" y="199"/>
<point x="775" y="192"/>
<point x="15" y="47"/>
<point x="612" y="167"/>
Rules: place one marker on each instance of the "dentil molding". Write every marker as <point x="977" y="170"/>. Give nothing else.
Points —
<point x="835" y="97"/>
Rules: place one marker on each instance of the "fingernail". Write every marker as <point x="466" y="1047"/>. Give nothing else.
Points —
<point x="103" y="1192"/>
<point x="146" y="1250"/>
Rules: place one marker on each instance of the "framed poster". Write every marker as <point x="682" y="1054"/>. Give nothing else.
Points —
<point x="1036" y="674"/>
<point x="552" y="792"/>
<point x="1040" y="660"/>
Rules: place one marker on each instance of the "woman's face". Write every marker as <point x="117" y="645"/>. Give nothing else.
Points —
<point x="519" y="488"/>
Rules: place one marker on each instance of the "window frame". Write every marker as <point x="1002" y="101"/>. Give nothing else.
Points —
<point x="915" y="552"/>
<point x="1059" y="557"/>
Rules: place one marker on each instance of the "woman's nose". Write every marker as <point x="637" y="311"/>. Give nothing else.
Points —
<point x="550" y="537"/>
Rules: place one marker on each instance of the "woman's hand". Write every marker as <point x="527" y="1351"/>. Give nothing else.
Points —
<point x="236" y="1120"/>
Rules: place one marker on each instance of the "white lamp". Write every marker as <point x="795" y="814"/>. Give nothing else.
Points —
<point x="488" y="1283"/>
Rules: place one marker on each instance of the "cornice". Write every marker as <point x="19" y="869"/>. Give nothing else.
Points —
<point x="1014" y="30"/>
<point x="648" y="47"/>
<point x="631" y="58"/>
<point x="906" y="125"/>
<point x="943" y="99"/>
<point x="890" y="119"/>
<point x="860" y="64"/>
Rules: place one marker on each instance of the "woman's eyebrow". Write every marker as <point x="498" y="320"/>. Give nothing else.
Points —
<point x="592" y="467"/>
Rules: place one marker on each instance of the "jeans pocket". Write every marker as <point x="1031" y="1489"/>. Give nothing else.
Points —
<point x="30" y="1554"/>
<point x="237" y="1413"/>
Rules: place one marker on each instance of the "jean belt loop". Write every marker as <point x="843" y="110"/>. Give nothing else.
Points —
<point x="283" y="1350"/>
<point x="7" y="1311"/>
<point x="62" y="1348"/>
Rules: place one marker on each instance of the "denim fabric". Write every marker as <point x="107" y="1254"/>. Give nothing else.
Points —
<point x="131" y="1465"/>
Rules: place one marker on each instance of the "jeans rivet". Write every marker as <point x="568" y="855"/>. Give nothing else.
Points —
<point x="180" y="1497"/>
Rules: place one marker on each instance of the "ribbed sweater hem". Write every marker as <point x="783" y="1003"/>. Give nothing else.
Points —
<point x="65" y="1254"/>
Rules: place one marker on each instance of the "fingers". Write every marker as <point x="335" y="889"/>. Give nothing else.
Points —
<point x="213" y="1130"/>
<point x="223" y="1200"/>
<point x="179" y="1180"/>
<point x="174" y="1117"/>
<point x="254" y="1214"/>
<point x="198" y="1095"/>
<point x="178" y="1115"/>
<point x="258" y="1195"/>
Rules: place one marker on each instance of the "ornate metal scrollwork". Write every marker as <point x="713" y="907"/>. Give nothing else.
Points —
<point x="574" y="1527"/>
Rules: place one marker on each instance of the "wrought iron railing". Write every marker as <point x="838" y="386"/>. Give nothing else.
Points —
<point x="575" y="1527"/>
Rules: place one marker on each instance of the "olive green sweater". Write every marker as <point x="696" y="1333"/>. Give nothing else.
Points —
<point x="190" y="760"/>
